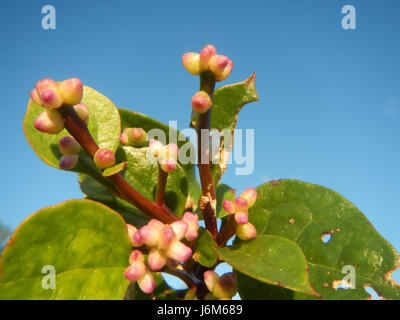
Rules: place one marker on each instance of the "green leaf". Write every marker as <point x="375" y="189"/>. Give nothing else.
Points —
<point x="114" y="169"/>
<point x="227" y="103"/>
<point x="104" y="125"/>
<point x="305" y="213"/>
<point x="271" y="259"/>
<point x="204" y="253"/>
<point x="86" y="243"/>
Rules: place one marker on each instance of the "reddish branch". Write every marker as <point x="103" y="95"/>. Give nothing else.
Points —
<point x="78" y="129"/>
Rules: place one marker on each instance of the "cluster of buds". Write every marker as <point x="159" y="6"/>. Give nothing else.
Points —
<point x="239" y="208"/>
<point x="52" y="95"/>
<point x="69" y="148"/>
<point x="208" y="59"/>
<point x="167" y="156"/>
<point x="135" y="137"/>
<point x="164" y="245"/>
<point x="224" y="287"/>
<point x="104" y="158"/>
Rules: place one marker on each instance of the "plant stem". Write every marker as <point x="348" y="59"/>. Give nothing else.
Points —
<point x="78" y="129"/>
<point x="208" y="205"/>
<point x="162" y="182"/>
<point x="227" y="230"/>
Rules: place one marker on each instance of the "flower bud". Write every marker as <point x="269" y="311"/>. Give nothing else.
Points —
<point x="136" y="137"/>
<point x="191" y="61"/>
<point x="149" y="235"/>
<point x="250" y="195"/>
<point x="171" y="151"/>
<point x="134" y="236"/>
<point x="35" y="97"/>
<point x="246" y="231"/>
<point x="229" y="206"/>
<point x="241" y="217"/>
<point x="156" y="224"/>
<point x="205" y="55"/>
<point x="191" y="219"/>
<point x="135" y="271"/>
<point x="147" y="283"/>
<point x="156" y="259"/>
<point x="124" y="138"/>
<point x="68" y="161"/>
<point x="104" y="158"/>
<point x="201" y="102"/>
<point x="82" y="111"/>
<point x="46" y="84"/>
<point x="210" y="279"/>
<point x="168" y="164"/>
<point x="50" y="99"/>
<point x="225" y="287"/>
<point x="178" y="251"/>
<point x="167" y="234"/>
<point x="227" y="71"/>
<point x="241" y="204"/>
<point x="155" y="147"/>
<point x="69" y="145"/>
<point x="50" y="121"/>
<point x="218" y="63"/>
<point x="71" y="91"/>
<point x="180" y="228"/>
<point x="136" y="256"/>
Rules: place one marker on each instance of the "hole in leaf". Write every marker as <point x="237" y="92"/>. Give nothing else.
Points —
<point x="372" y="292"/>
<point x="326" y="237"/>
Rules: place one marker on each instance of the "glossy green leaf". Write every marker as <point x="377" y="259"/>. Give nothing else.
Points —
<point x="227" y="103"/>
<point x="306" y="213"/>
<point x="104" y="125"/>
<point x="204" y="253"/>
<point x="85" y="242"/>
<point x="271" y="259"/>
<point x="114" y="169"/>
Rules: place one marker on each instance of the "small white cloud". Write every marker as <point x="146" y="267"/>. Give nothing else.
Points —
<point x="392" y="107"/>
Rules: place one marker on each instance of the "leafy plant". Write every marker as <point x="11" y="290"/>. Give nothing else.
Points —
<point x="140" y="216"/>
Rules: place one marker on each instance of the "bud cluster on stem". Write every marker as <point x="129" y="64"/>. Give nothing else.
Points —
<point x="164" y="246"/>
<point x="69" y="149"/>
<point x="135" y="137"/>
<point x="167" y="156"/>
<point x="239" y="209"/>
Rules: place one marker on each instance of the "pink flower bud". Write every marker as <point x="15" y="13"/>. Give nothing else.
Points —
<point x="156" y="259"/>
<point x="104" y="158"/>
<point x="156" y="224"/>
<point x="168" y="164"/>
<point x="149" y="235"/>
<point x="167" y="234"/>
<point x="178" y="251"/>
<point x="180" y="228"/>
<point x="147" y="283"/>
<point x="241" y="204"/>
<point x="227" y="71"/>
<point x="71" y="91"/>
<point x="135" y="271"/>
<point x="35" y="97"/>
<point x="201" y="102"/>
<point x="191" y="61"/>
<point x="136" y="137"/>
<point x="46" y="84"/>
<point x="250" y="195"/>
<point x="205" y="55"/>
<point x="82" y="111"/>
<point x="50" y="121"/>
<point x="171" y="151"/>
<point x="191" y="219"/>
<point x="241" y="217"/>
<point x="155" y="147"/>
<point x="229" y="206"/>
<point x="50" y="99"/>
<point x="69" y="145"/>
<point x="218" y="63"/>
<point x="134" y="236"/>
<point x="124" y="138"/>
<point x="210" y="279"/>
<point x="225" y="287"/>
<point x="136" y="256"/>
<point x="68" y="161"/>
<point x="246" y="231"/>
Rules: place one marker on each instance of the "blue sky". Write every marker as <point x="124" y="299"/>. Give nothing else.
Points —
<point x="329" y="106"/>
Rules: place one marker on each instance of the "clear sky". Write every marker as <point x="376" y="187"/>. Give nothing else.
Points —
<point x="329" y="108"/>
